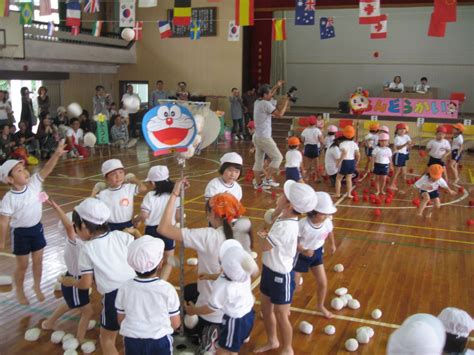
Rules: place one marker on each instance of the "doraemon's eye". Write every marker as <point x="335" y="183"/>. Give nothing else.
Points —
<point x="175" y="111"/>
<point x="163" y="113"/>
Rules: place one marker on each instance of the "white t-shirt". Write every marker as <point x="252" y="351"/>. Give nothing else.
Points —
<point x="24" y="207"/>
<point x="399" y="86"/>
<point x="262" y="115"/>
<point x="148" y="305"/>
<point x="382" y="155"/>
<point x="78" y="135"/>
<point x="218" y="186"/>
<point x="350" y="147"/>
<point x="282" y="237"/>
<point x="233" y="298"/>
<point x="72" y="251"/>
<point x="120" y="202"/>
<point x="206" y="241"/>
<point x="422" y="88"/>
<point x="458" y="142"/>
<point x="401" y="140"/>
<point x="328" y="140"/>
<point x="437" y="149"/>
<point x="106" y="257"/>
<point x="312" y="135"/>
<point x="155" y="206"/>
<point x="330" y="160"/>
<point x="293" y="158"/>
<point x="4" y="109"/>
<point x="312" y="237"/>
<point x="426" y="184"/>
<point x="371" y="140"/>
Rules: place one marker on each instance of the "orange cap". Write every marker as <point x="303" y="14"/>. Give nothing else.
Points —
<point x="374" y="127"/>
<point x="225" y="205"/>
<point x="348" y="132"/>
<point x="459" y="127"/>
<point x="435" y="171"/>
<point x="293" y="141"/>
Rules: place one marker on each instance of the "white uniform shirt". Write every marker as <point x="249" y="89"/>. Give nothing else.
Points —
<point x="422" y="88"/>
<point x="262" y="115"/>
<point x="234" y="299"/>
<point x="312" y="237"/>
<point x="312" y="135"/>
<point x="120" y="202"/>
<point x="350" y="147"/>
<point x="401" y="140"/>
<point x="427" y="184"/>
<point x="206" y="241"/>
<point x="458" y="142"/>
<point x="106" y="257"/>
<point x="437" y="149"/>
<point x="293" y="158"/>
<point x="78" y="135"/>
<point x="330" y="160"/>
<point x="155" y="206"/>
<point x="328" y="140"/>
<point x="72" y="251"/>
<point x="4" y="109"/>
<point x="218" y="186"/>
<point x="148" y="305"/>
<point x="282" y="237"/>
<point x="382" y="155"/>
<point x="371" y="140"/>
<point x="24" y="207"/>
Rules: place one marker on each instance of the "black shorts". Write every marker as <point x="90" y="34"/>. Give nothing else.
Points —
<point x="433" y="161"/>
<point x="381" y="169"/>
<point x="28" y="240"/>
<point x="311" y="151"/>
<point x="169" y="243"/>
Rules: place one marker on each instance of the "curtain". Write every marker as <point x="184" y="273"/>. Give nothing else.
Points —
<point x="278" y="66"/>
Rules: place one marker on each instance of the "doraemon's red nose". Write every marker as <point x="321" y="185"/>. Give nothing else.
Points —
<point x="169" y="121"/>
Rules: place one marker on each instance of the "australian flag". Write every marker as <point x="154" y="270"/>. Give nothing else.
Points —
<point x="304" y="12"/>
<point x="326" y="27"/>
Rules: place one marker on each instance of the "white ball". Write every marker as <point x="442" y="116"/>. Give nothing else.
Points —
<point x="341" y="291"/>
<point x="242" y="225"/>
<point x="352" y="344"/>
<point x="338" y="268"/>
<point x="70" y="344"/>
<point x="131" y="104"/>
<point x="177" y="225"/>
<point x="70" y="352"/>
<point x="192" y="261"/>
<point x="32" y="334"/>
<point x="67" y="337"/>
<point x="88" y="347"/>
<point x="268" y="216"/>
<point x="301" y="281"/>
<point x="254" y="255"/>
<point x="363" y="337"/>
<point x="57" y="286"/>
<point x="346" y="298"/>
<point x="91" y="325"/>
<point x="376" y="314"/>
<point x="57" y="336"/>
<point x="330" y="330"/>
<point x="90" y="291"/>
<point x="5" y="280"/>
<point x="74" y="109"/>
<point x="344" y="301"/>
<point x="191" y="321"/>
<point x="337" y="303"/>
<point x="353" y="304"/>
<point x="90" y="140"/>
<point x="128" y="34"/>
<point x="369" y="331"/>
<point x="305" y="327"/>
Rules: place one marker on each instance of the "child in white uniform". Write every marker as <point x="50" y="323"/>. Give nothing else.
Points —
<point x="439" y="149"/>
<point x="330" y="137"/>
<point x="370" y="142"/>
<point x="230" y="169"/>
<point x="382" y="156"/>
<point x="401" y="144"/>
<point x="293" y="160"/>
<point x="350" y="159"/>
<point x="332" y="159"/>
<point x="21" y="211"/>
<point x="312" y="138"/>
<point x="456" y="154"/>
<point x="147" y="307"/>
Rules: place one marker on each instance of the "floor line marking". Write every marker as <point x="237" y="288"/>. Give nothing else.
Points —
<point x="7" y="254"/>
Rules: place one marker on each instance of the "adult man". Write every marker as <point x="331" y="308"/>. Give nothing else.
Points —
<point x="158" y="94"/>
<point x="264" y="110"/>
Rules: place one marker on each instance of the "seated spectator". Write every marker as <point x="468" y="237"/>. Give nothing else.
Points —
<point x="61" y="118"/>
<point x="423" y="87"/>
<point x="47" y="135"/>
<point x="396" y="84"/>
<point x="27" y="139"/>
<point x="74" y="140"/>
<point x="87" y="124"/>
<point x="6" y="143"/>
<point x="112" y="109"/>
<point x="120" y="135"/>
<point x="12" y="130"/>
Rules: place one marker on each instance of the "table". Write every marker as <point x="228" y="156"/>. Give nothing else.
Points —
<point x="410" y="94"/>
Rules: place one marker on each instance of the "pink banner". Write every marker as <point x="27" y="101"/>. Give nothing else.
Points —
<point x="382" y="106"/>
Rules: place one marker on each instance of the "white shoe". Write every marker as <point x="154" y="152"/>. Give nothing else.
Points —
<point x="271" y="183"/>
<point x="261" y="186"/>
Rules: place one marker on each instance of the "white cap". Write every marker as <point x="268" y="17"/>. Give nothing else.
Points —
<point x="233" y="158"/>
<point x="6" y="168"/>
<point x="236" y="263"/>
<point x="145" y="253"/>
<point x="325" y="204"/>
<point x="419" y="334"/>
<point x="158" y="173"/>
<point x="61" y="109"/>
<point x="111" y="165"/>
<point x="93" y="210"/>
<point x="456" y="321"/>
<point x="301" y="196"/>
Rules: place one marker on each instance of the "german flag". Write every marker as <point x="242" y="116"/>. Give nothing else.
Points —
<point x="279" y="30"/>
<point x="182" y="13"/>
<point x="244" y="12"/>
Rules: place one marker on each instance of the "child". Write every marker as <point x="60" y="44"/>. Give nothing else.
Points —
<point x="103" y="259"/>
<point x="232" y="293"/>
<point x="75" y="140"/>
<point x="293" y="160"/>
<point x="278" y="279"/>
<point x="21" y="210"/>
<point x="74" y="298"/>
<point x="350" y="159"/>
<point x="382" y="156"/>
<point x="152" y="209"/>
<point x="237" y="114"/>
<point x="428" y="186"/>
<point x="120" y="194"/>
<point x="401" y="144"/>
<point x="458" y="324"/>
<point x="147" y="306"/>
<point x="313" y="232"/>
<point x="439" y="149"/>
<point x="312" y="139"/>
<point x="456" y="154"/>
<point x="369" y="143"/>
<point x="329" y="139"/>
<point x="332" y="159"/>
<point x="230" y="169"/>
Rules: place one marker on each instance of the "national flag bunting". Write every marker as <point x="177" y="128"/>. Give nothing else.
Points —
<point x="369" y="11"/>
<point x="326" y="27"/>
<point x="234" y="32"/>
<point x="127" y="13"/>
<point x="75" y="30"/>
<point x="26" y="13"/>
<point x="437" y="28"/>
<point x="45" y="8"/>
<point x="165" y="29"/>
<point x="445" y="10"/>
<point x="195" y="30"/>
<point x="182" y="13"/>
<point x="73" y="13"/>
<point x="92" y="6"/>
<point x="244" y="10"/>
<point x="138" y="29"/>
<point x="279" y="30"/>
<point x="379" y="30"/>
<point x="50" y="29"/>
<point x="4" y="8"/>
<point x="304" y="12"/>
<point x="97" y="28"/>
<point x="147" y="3"/>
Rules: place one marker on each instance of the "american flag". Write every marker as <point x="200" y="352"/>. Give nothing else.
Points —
<point x="304" y="12"/>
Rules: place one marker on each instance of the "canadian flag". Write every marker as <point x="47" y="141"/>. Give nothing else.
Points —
<point x="379" y="30"/>
<point x="369" y="11"/>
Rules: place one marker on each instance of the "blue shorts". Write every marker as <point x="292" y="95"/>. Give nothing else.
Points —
<point x="433" y="194"/>
<point x="75" y="297"/>
<point x="108" y="316"/>
<point x="28" y="240"/>
<point x="169" y="243"/>
<point x="293" y="174"/>
<point x="347" y="167"/>
<point x="408" y="156"/>
<point x="433" y="161"/>
<point x="400" y="160"/>
<point x="278" y="287"/>
<point x="456" y="156"/>
<point x="311" y="151"/>
<point x="368" y="151"/>
<point x="381" y="169"/>
<point x="134" y="346"/>
<point x="235" y="330"/>
<point x="304" y="263"/>
<point x="120" y="226"/>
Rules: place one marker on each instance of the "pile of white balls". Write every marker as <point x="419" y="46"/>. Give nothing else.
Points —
<point x="344" y="299"/>
<point x="364" y="334"/>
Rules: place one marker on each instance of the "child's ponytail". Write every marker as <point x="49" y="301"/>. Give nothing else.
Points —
<point x="228" y="231"/>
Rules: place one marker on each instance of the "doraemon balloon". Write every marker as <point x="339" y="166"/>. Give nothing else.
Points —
<point x="359" y="102"/>
<point x="169" y="128"/>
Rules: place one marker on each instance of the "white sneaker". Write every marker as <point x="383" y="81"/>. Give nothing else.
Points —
<point x="271" y="183"/>
<point x="261" y="186"/>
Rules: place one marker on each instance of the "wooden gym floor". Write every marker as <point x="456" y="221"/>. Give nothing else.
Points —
<point x="396" y="262"/>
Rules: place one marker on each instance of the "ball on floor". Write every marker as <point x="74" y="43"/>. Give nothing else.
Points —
<point x="351" y="344"/>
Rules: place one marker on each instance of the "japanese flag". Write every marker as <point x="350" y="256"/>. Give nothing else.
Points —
<point x="379" y="30"/>
<point x="369" y="11"/>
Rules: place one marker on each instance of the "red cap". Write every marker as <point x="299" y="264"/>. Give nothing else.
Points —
<point x="402" y="126"/>
<point x="441" y="129"/>
<point x="338" y="134"/>
<point x="251" y="125"/>
<point x="312" y="120"/>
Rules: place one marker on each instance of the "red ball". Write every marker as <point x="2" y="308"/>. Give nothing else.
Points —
<point x="372" y="183"/>
<point x="282" y="173"/>
<point x="366" y="191"/>
<point x="377" y="212"/>
<point x="273" y="194"/>
<point x="355" y="200"/>
<point x="470" y="222"/>
<point x="376" y="54"/>
<point x="378" y="201"/>
<point x="471" y="203"/>
<point x="388" y="200"/>
<point x="460" y="167"/>
<point x="259" y="189"/>
<point x="461" y="190"/>
<point x="416" y="202"/>
<point x="365" y="198"/>
<point x="354" y="193"/>
<point x="325" y="178"/>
